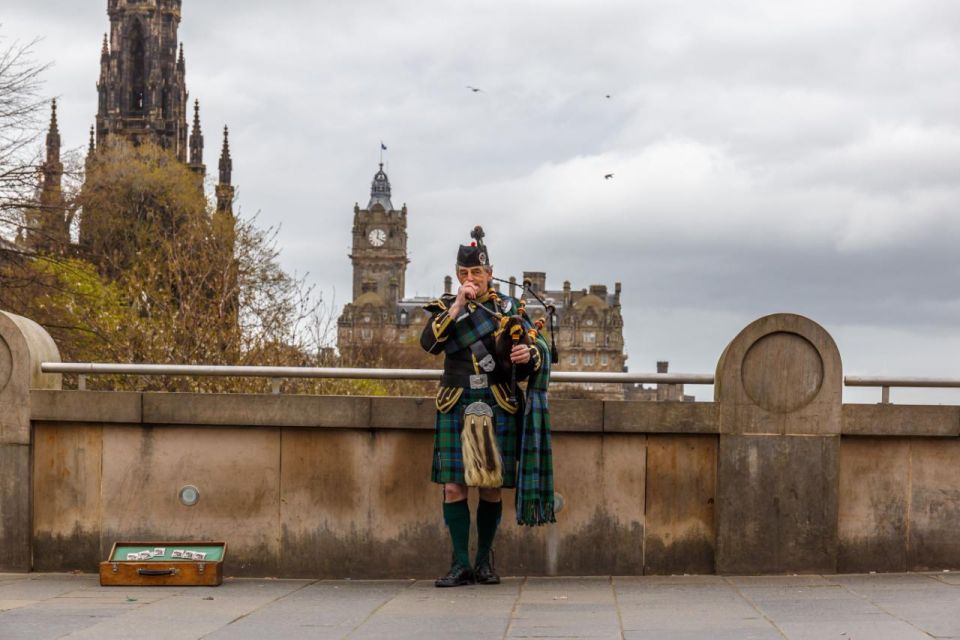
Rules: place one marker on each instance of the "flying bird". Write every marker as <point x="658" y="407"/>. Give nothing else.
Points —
<point x="474" y="89"/>
<point x="607" y="96"/>
<point x="607" y="176"/>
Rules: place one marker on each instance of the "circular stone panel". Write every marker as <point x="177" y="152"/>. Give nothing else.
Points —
<point x="782" y="372"/>
<point x="6" y="364"/>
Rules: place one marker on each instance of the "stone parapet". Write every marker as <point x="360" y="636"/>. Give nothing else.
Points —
<point x="774" y="476"/>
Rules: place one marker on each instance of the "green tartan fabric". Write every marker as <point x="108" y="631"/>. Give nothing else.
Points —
<point x="535" y="477"/>
<point x="480" y="323"/>
<point x="447" y="453"/>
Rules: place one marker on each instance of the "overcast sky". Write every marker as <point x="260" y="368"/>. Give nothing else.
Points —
<point x="767" y="156"/>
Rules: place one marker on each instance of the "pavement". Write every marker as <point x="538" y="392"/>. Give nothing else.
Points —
<point x="846" y="607"/>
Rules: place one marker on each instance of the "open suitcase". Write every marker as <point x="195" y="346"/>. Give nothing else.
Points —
<point x="166" y="563"/>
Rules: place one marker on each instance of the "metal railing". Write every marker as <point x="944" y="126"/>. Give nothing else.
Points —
<point x="84" y="369"/>
<point x="885" y="383"/>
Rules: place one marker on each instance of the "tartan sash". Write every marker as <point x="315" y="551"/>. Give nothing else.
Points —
<point x="535" y="502"/>
<point x="477" y="325"/>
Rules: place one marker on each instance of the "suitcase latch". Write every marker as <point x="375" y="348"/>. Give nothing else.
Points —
<point x="115" y="567"/>
<point x="200" y="567"/>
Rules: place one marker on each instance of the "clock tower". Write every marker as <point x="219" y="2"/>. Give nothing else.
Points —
<point x="379" y="252"/>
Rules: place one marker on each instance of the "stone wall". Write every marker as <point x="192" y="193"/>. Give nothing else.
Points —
<point x="775" y="475"/>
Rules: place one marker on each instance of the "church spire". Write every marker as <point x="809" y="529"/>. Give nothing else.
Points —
<point x="47" y="225"/>
<point x="196" y="141"/>
<point x="53" y="137"/>
<point x="91" y="150"/>
<point x="225" y="189"/>
<point x="226" y="163"/>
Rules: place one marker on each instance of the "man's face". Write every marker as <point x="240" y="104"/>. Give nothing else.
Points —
<point x="479" y="276"/>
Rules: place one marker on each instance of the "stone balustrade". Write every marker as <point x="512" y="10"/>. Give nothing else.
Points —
<point x="775" y="475"/>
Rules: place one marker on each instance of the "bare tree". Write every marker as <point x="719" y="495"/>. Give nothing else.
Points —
<point x="20" y="128"/>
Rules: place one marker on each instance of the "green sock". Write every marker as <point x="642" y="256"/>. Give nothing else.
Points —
<point x="457" y="517"/>
<point x="488" y="518"/>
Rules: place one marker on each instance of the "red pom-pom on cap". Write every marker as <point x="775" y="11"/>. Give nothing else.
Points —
<point x="473" y="244"/>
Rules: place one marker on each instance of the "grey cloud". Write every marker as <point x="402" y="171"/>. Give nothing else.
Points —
<point x="767" y="156"/>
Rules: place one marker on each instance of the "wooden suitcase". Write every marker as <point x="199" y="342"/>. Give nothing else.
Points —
<point x="168" y="568"/>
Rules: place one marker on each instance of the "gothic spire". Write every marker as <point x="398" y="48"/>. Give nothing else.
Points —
<point x="180" y="61"/>
<point x="53" y="136"/>
<point x="47" y="226"/>
<point x="224" y="187"/>
<point x="104" y="49"/>
<point x="196" y="140"/>
<point x="92" y="146"/>
<point x="226" y="164"/>
<point x="380" y="190"/>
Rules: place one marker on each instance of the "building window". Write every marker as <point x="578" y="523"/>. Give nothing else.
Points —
<point x="573" y="359"/>
<point x="589" y="337"/>
<point x="588" y="360"/>
<point x="604" y="359"/>
<point x="366" y="334"/>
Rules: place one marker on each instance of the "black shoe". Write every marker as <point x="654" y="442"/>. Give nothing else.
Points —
<point x="458" y="576"/>
<point x="484" y="573"/>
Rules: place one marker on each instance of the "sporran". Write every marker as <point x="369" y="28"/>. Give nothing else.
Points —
<point x="482" y="463"/>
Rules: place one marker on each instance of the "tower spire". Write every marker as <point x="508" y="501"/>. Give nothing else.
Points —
<point x="196" y="141"/>
<point x="380" y="190"/>
<point x="47" y="225"/>
<point x="225" y="189"/>
<point x="53" y="136"/>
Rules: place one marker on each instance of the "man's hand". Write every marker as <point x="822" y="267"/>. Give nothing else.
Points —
<point x="468" y="291"/>
<point x="520" y="354"/>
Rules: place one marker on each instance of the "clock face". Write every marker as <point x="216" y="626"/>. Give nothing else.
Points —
<point x="377" y="237"/>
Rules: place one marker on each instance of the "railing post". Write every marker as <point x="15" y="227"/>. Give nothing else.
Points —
<point x="885" y="395"/>
<point x="23" y="346"/>
<point x="778" y="387"/>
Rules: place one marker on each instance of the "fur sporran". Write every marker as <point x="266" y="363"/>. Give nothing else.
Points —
<point x="482" y="463"/>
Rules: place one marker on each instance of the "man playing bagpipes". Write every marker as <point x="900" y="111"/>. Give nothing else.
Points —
<point x="479" y="411"/>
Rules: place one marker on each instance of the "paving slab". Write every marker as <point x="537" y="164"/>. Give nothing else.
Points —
<point x="321" y="609"/>
<point x="925" y="601"/>
<point x="846" y="607"/>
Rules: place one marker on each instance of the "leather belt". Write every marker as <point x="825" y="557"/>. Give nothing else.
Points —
<point x="479" y="381"/>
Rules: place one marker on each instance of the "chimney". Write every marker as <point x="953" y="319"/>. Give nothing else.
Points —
<point x="662" y="366"/>
<point x="537" y="280"/>
<point x="599" y="290"/>
<point x="513" y="286"/>
<point x="447" y="284"/>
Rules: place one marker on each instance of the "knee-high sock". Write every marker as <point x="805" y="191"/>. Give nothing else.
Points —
<point x="457" y="517"/>
<point x="488" y="518"/>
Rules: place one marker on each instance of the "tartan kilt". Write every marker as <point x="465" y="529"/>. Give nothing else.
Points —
<point x="447" y="453"/>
